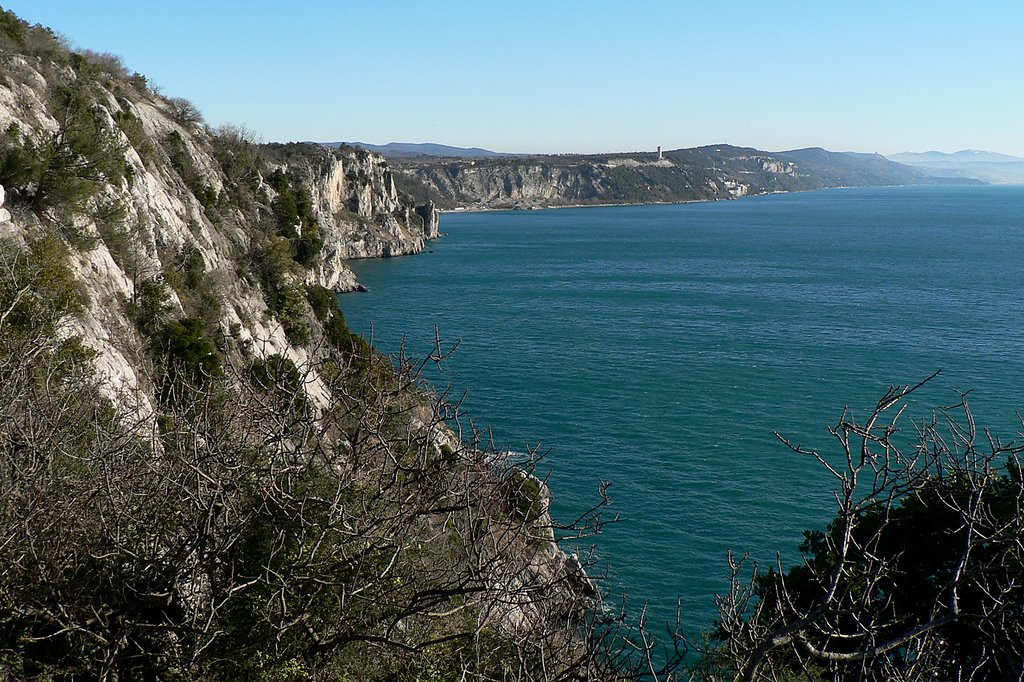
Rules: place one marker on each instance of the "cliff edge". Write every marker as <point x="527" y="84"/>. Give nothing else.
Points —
<point x="204" y="473"/>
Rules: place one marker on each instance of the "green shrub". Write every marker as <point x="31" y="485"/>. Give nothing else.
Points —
<point x="60" y="172"/>
<point x="284" y="295"/>
<point x="322" y="300"/>
<point x="39" y="288"/>
<point x="187" y="269"/>
<point x="276" y="372"/>
<point x="187" y="357"/>
<point x="181" y="160"/>
<point x="131" y="126"/>
<point x="152" y="305"/>
<point x="12" y="31"/>
<point x="296" y="221"/>
<point x="337" y="332"/>
<point x="525" y="494"/>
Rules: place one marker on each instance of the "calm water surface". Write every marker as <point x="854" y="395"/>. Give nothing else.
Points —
<point x="658" y="348"/>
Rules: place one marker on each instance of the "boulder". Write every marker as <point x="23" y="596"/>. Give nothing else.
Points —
<point x="5" y="215"/>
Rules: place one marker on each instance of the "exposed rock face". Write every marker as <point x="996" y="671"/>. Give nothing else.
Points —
<point x="359" y="208"/>
<point x="697" y="174"/>
<point x="188" y="190"/>
<point x="511" y="186"/>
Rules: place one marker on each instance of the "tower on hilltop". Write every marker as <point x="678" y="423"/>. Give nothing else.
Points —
<point x="659" y="152"/>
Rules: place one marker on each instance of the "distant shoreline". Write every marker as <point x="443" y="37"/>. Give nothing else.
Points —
<point x="485" y="209"/>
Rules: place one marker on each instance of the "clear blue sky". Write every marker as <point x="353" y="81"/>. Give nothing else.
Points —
<point x="567" y="76"/>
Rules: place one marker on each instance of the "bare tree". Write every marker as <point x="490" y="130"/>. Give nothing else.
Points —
<point x="184" y="112"/>
<point x="239" y="531"/>
<point x="919" y="576"/>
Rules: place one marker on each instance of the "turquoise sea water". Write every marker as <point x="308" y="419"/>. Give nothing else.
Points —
<point x="658" y="348"/>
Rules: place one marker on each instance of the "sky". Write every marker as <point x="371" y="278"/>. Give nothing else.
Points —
<point x="567" y="76"/>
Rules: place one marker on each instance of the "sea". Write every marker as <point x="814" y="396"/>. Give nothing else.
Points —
<point x="659" y="349"/>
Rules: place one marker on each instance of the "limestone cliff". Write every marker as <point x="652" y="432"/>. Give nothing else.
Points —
<point x="698" y="174"/>
<point x="177" y="196"/>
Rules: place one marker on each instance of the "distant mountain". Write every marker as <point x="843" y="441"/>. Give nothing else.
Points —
<point x="705" y="173"/>
<point x="850" y="169"/>
<point x="962" y="156"/>
<point x="967" y="163"/>
<point x="426" y="149"/>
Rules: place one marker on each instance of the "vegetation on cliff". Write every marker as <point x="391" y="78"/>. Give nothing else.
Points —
<point x="203" y="473"/>
<point x="260" y="495"/>
<point x="698" y="174"/>
<point x="918" y="577"/>
<point x="237" y="532"/>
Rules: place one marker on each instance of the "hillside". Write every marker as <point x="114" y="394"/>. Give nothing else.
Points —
<point x="699" y="174"/>
<point x="203" y="473"/>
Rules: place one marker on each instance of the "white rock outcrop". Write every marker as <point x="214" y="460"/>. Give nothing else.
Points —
<point x="360" y="212"/>
<point x="5" y="215"/>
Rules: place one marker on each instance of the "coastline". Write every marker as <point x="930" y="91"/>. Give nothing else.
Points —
<point x="552" y="207"/>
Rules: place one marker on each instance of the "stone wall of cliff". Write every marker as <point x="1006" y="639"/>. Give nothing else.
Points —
<point x="182" y="194"/>
<point x="206" y="474"/>
<point x="698" y="174"/>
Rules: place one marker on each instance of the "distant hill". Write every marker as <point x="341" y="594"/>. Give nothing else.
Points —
<point x="706" y="173"/>
<point x="849" y="169"/>
<point x="967" y="163"/>
<point x="424" y="149"/>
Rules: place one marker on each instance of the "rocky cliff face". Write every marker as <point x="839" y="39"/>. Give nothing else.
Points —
<point x="513" y="183"/>
<point x="360" y="210"/>
<point x="510" y="186"/>
<point x="163" y="195"/>
<point x="698" y="174"/>
<point x="210" y="442"/>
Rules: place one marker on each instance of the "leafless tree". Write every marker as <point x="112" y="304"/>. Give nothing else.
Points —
<point x="184" y="112"/>
<point x="240" y="529"/>
<point x="918" y="577"/>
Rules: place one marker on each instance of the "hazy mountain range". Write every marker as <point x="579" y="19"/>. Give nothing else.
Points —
<point x="393" y="150"/>
<point x="968" y="163"/>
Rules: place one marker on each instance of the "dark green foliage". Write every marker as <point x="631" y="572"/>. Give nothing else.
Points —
<point x="919" y="576"/>
<point x="49" y="285"/>
<point x="18" y="166"/>
<point x="61" y="172"/>
<point x="39" y="290"/>
<point x="181" y="159"/>
<point x="188" y="358"/>
<point x="139" y="82"/>
<point x="293" y="212"/>
<point x="284" y="294"/>
<point x="187" y="269"/>
<point x="654" y="183"/>
<point x="337" y="332"/>
<point x="353" y="348"/>
<point x="152" y="305"/>
<point x="12" y="31"/>
<point x="280" y="378"/>
<point x="923" y="539"/>
<point x="322" y="300"/>
<point x="525" y="495"/>
<point x="131" y="126"/>
<point x="277" y="372"/>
